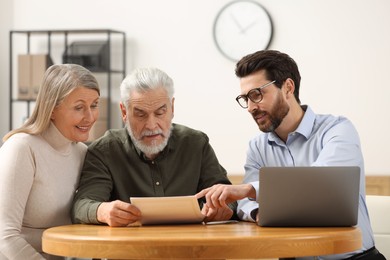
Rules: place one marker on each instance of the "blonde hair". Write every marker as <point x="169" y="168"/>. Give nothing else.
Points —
<point x="58" y="82"/>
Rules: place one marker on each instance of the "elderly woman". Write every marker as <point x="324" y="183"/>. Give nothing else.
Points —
<point x="41" y="160"/>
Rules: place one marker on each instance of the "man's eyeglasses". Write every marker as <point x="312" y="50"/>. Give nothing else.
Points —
<point x="254" y="95"/>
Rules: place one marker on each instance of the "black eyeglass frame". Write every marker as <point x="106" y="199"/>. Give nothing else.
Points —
<point x="247" y="96"/>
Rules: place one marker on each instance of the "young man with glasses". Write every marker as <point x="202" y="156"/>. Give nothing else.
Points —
<point x="293" y="135"/>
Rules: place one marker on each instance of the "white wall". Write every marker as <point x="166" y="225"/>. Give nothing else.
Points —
<point x="6" y="7"/>
<point x="342" y="48"/>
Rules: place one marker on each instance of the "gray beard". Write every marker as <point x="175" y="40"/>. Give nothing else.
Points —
<point x="149" y="149"/>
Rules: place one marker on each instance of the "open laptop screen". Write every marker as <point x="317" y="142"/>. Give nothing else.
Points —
<point x="308" y="196"/>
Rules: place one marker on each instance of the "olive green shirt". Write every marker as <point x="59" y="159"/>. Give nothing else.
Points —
<point x="115" y="169"/>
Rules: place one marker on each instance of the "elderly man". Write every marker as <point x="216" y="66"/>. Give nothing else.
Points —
<point x="150" y="157"/>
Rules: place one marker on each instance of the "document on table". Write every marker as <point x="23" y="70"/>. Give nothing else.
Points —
<point x="168" y="210"/>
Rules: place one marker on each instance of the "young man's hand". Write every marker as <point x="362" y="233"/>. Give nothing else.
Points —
<point x="219" y="195"/>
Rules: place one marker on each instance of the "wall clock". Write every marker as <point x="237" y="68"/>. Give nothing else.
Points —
<point x="242" y="27"/>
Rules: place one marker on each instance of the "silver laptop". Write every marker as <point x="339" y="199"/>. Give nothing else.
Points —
<point x="308" y="196"/>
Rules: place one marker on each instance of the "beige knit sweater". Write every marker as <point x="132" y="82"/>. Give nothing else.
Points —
<point x="38" y="177"/>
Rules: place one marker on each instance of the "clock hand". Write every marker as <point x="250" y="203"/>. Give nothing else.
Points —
<point x="236" y="22"/>
<point x="248" y="26"/>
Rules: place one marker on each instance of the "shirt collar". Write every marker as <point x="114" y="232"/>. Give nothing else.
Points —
<point x="304" y="128"/>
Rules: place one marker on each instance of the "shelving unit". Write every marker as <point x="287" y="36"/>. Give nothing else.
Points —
<point x="38" y="36"/>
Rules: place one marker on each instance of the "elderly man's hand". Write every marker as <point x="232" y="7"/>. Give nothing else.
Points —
<point x="118" y="213"/>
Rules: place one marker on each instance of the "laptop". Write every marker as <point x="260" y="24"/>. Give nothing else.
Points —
<point x="308" y="196"/>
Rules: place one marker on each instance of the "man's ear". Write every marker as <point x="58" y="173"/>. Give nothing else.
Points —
<point x="173" y="106"/>
<point x="289" y="87"/>
<point x="123" y="112"/>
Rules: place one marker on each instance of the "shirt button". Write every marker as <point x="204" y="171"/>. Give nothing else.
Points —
<point x="157" y="183"/>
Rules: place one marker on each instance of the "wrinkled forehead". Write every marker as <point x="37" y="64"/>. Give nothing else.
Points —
<point x="149" y="100"/>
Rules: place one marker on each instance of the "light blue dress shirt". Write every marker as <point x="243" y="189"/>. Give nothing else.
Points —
<point x="319" y="140"/>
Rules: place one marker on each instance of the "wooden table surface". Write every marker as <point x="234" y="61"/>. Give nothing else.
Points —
<point x="240" y="240"/>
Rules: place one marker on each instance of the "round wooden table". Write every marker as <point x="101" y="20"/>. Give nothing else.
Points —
<point x="240" y="240"/>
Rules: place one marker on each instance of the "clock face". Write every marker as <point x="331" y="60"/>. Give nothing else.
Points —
<point x="242" y="27"/>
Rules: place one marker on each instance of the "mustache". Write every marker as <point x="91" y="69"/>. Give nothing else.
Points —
<point x="147" y="133"/>
<point x="257" y="113"/>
